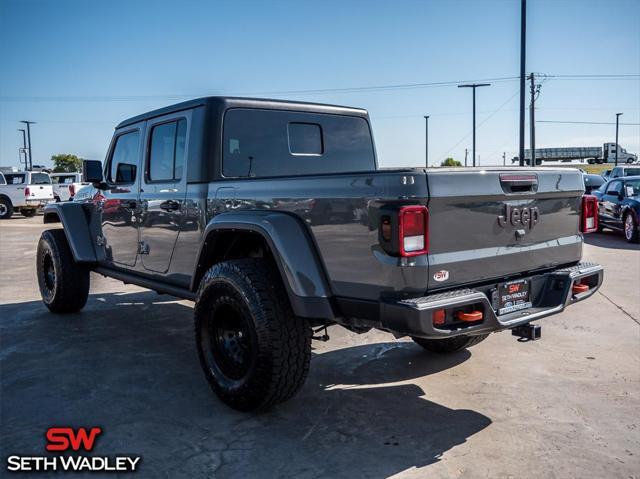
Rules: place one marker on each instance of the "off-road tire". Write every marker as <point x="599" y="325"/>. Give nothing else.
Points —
<point x="64" y="284"/>
<point x="275" y="345"/>
<point x="632" y="236"/>
<point x="6" y="208"/>
<point x="450" y="345"/>
<point x="27" y="212"/>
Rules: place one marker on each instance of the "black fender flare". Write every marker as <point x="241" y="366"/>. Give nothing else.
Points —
<point x="294" y="252"/>
<point x="78" y="225"/>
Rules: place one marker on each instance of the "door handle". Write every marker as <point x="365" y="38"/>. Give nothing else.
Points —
<point x="170" y="205"/>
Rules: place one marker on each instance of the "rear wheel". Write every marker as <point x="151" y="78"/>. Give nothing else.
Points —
<point x="631" y="229"/>
<point x="27" y="212"/>
<point x="254" y="352"/>
<point x="64" y="284"/>
<point x="6" y="208"/>
<point x="450" y="345"/>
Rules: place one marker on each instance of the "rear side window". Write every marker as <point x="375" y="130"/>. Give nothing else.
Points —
<point x="166" y="157"/>
<point x="15" y="179"/>
<point x="261" y="143"/>
<point x="63" y="180"/>
<point x="632" y="172"/>
<point x="124" y="160"/>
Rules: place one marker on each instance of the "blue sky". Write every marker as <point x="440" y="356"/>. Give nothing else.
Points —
<point x="79" y="67"/>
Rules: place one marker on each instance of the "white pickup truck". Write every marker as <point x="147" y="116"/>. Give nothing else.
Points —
<point x="25" y="191"/>
<point x="66" y="185"/>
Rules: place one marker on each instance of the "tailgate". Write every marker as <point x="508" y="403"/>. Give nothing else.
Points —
<point x="40" y="192"/>
<point x="493" y="224"/>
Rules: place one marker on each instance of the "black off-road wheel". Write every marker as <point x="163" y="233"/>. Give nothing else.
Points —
<point x="6" y="208"/>
<point x="450" y="345"/>
<point x="28" y="212"/>
<point x="254" y="351"/>
<point x="64" y="284"/>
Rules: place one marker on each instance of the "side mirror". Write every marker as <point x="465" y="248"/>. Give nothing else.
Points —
<point x="92" y="172"/>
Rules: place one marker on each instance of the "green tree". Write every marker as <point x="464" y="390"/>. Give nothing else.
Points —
<point x="66" y="163"/>
<point x="450" y="162"/>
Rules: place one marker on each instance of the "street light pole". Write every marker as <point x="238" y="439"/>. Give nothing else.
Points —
<point x="24" y="147"/>
<point x="426" y="141"/>
<point x="474" y="86"/>
<point x="523" y="51"/>
<point x="29" y="123"/>
<point x="617" y="124"/>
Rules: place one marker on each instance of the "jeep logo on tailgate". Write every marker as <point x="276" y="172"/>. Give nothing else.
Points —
<point x="519" y="216"/>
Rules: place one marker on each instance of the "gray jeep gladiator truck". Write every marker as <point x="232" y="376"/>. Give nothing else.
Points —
<point x="274" y="217"/>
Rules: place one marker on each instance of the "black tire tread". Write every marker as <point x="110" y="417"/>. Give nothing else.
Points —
<point x="285" y="341"/>
<point x="7" y="202"/>
<point x="72" y="279"/>
<point x="450" y="345"/>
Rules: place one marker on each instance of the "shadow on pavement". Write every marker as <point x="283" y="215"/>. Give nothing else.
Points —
<point x="127" y="363"/>
<point x="610" y="239"/>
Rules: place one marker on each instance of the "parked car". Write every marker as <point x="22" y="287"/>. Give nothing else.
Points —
<point x="592" y="182"/>
<point x="25" y="191"/>
<point x="619" y="206"/>
<point x="274" y="218"/>
<point x="65" y="185"/>
<point x="624" y="170"/>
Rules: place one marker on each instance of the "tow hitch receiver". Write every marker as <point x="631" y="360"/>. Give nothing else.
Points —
<point x="527" y="332"/>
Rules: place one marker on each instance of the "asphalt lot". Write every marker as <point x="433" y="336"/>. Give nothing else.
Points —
<point x="565" y="406"/>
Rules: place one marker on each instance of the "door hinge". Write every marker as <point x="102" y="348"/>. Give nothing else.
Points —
<point x="143" y="247"/>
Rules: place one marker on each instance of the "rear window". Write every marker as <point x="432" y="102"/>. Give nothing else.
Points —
<point x="13" y="179"/>
<point x="63" y="180"/>
<point x="40" y="179"/>
<point x="263" y="143"/>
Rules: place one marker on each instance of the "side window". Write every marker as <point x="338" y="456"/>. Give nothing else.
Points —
<point x="305" y="139"/>
<point x="614" y="188"/>
<point x="166" y="154"/>
<point x="124" y="160"/>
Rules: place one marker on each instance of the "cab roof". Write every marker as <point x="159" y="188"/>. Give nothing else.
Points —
<point x="222" y="103"/>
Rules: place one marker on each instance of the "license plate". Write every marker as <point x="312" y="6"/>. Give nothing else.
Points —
<point x="513" y="296"/>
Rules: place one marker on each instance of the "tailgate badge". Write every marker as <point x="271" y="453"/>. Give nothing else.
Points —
<point x="441" y="275"/>
<point x="527" y="217"/>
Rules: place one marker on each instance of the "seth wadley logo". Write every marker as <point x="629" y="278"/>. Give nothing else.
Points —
<point x="65" y="439"/>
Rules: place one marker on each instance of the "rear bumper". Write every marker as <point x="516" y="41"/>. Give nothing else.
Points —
<point x="38" y="203"/>
<point x="551" y="293"/>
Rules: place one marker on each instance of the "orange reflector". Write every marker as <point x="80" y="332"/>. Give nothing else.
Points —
<point x="438" y="316"/>
<point x="470" y="317"/>
<point x="579" y="288"/>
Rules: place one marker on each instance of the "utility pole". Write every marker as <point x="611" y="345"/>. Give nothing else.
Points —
<point x="523" y="51"/>
<point x="474" y="86"/>
<point x="535" y="91"/>
<point x="466" y="152"/>
<point x="24" y="147"/>
<point x="29" y="123"/>
<point x="426" y="141"/>
<point x="617" y="124"/>
<point x="504" y="158"/>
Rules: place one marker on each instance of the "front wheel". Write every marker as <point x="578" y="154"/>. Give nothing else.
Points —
<point x="631" y="229"/>
<point x="27" y="212"/>
<point x="450" y="345"/>
<point x="6" y="208"/>
<point x="254" y="351"/>
<point x="64" y="284"/>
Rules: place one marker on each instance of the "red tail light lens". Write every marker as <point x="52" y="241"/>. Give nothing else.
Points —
<point x="72" y="189"/>
<point x="413" y="230"/>
<point x="27" y="192"/>
<point x="589" y="217"/>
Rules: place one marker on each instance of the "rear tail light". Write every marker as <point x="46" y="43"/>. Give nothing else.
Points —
<point x="413" y="230"/>
<point x="589" y="216"/>
<point x="72" y="189"/>
<point x="27" y="192"/>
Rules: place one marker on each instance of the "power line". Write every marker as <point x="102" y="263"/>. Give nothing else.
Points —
<point x="587" y="122"/>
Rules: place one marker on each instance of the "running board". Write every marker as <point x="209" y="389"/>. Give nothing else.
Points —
<point x="161" y="288"/>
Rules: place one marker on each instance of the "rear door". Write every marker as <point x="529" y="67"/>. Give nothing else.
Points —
<point x="492" y="224"/>
<point x="163" y="191"/>
<point x="120" y="204"/>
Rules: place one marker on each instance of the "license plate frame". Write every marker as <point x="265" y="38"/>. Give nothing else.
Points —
<point x="514" y="296"/>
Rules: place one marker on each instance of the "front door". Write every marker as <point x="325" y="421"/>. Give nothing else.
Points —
<point x="163" y="191"/>
<point x="120" y="204"/>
